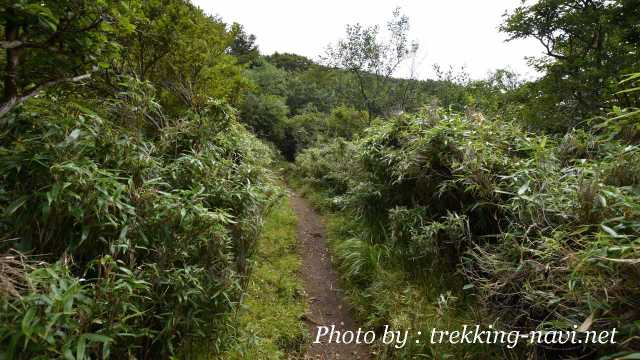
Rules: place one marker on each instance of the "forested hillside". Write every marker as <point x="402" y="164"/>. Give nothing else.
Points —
<point x="144" y="144"/>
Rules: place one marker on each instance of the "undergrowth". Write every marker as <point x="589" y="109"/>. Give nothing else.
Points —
<point x="268" y="324"/>
<point x="528" y="231"/>
<point x="137" y="234"/>
<point x="381" y="293"/>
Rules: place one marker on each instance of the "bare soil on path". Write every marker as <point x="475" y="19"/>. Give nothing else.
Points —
<point x="326" y="306"/>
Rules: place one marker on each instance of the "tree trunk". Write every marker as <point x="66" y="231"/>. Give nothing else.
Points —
<point x="13" y="60"/>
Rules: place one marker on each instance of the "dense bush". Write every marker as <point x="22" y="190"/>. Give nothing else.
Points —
<point x="265" y="115"/>
<point x="142" y="232"/>
<point x="544" y="229"/>
<point x="304" y="130"/>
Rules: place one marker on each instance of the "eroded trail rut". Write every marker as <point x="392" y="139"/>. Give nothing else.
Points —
<point x="326" y="306"/>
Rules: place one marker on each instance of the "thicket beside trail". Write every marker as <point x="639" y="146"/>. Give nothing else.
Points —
<point x="144" y="239"/>
<point x="130" y="199"/>
<point x="541" y="230"/>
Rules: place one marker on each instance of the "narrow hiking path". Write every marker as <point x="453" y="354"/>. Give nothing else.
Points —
<point x="326" y="306"/>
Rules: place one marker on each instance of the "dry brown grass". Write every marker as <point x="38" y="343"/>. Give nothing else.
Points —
<point x="13" y="269"/>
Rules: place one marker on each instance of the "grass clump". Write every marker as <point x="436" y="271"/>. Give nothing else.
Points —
<point x="383" y="293"/>
<point x="268" y="324"/>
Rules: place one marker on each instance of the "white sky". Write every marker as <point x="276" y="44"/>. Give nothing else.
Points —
<point x="450" y="32"/>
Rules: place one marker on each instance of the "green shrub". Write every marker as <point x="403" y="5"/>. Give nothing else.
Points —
<point x="143" y="230"/>
<point x="265" y="115"/>
<point x="543" y="229"/>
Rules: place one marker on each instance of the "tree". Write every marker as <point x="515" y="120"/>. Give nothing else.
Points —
<point x="49" y="43"/>
<point x="290" y="62"/>
<point x="244" y="46"/>
<point x="589" y="46"/>
<point x="198" y="65"/>
<point x="269" y="79"/>
<point x="265" y="115"/>
<point x="184" y="53"/>
<point x="373" y="61"/>
<point x="158" y="27"/>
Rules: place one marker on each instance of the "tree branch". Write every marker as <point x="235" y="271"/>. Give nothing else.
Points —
<point x="11" y="103"/>
<point x="48" y="43"/>
<point x="550" y="52"/>
<point x="11" y="44"/>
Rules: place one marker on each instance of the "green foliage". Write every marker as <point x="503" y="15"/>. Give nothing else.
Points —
<point x="309" y="90"/>
<point x="304" y="130"/>
<point x="148" y="231"/>
<point x="139" y="196"/>
<point x="373" y="61"/>
<point x="268" y="324"/>
<point x="49" y="43"/>
<point x="346" y="123"/>
<point x="244" y="46"/>
<point x="292" y="108"/>
<point x="624" y="123"/>
<point x="265" y="115"/>
<point x="588" y="46"/>
<point x="543" y="229"/>
<point x="327" y="165"/>
<point x="383" y="293"/>
<point x="290" y="62"/>
<point x="188" y="55"/>
<point x="67" y="317"/>
<point x="326" y="102"/>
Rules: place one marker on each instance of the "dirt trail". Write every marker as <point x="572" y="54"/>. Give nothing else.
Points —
<point x="326" y="306"/>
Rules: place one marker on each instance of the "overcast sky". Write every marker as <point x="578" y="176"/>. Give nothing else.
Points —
<point x="450" y="32"/>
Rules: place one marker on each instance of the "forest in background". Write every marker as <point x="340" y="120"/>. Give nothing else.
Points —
<point x="139" y="138"/>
